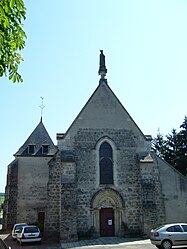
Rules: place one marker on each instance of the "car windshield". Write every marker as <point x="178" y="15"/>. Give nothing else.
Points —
<point x="19" y="226"/>
<point x="175" y="228"/>
<point x="31" y="230"/>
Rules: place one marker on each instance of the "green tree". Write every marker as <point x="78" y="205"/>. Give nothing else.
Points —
<point x="183" y="136"/>
<point x="182" y="160"/>
<point x="12" y="37"/>
<point x="158" y="145"/>
<point x="173" y="147"/>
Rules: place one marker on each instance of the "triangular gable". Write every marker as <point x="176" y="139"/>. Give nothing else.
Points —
<point x="103" y="110"/>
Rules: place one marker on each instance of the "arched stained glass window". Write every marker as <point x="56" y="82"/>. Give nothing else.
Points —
<point x="106" y="163"/>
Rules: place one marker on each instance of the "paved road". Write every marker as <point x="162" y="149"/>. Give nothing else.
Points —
<point x="109" y="243"/>
<point x="97" y="244"/>
<point x="14" y="245"/>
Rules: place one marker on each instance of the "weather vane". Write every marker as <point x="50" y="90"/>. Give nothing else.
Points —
<point x="42" y="107"/>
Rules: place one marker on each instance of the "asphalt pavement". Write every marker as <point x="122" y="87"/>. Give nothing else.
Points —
<point x="109" y="242"/>
<point x="100" y="243"/>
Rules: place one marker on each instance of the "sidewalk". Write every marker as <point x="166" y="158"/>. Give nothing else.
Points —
<point x="104" y="243"/>
<point x="4" y="236"/>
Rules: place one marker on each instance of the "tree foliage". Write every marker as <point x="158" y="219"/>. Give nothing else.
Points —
<point x="173" y="147"/>
<point x="12" y="37"/>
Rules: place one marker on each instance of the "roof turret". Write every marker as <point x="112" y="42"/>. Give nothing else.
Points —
<point x="38" y="143"/>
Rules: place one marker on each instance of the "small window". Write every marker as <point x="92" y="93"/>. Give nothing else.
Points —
<point x="45" y="149"/>
<point x="184" y="228"/>
<point x="175" y="228"/>
<point x="31" y="149"/>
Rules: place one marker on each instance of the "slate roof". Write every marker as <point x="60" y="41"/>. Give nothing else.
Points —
<point x="38" y="138"/>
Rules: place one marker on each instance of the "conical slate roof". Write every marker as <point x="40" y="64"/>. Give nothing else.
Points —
<point x="40" y="141"/>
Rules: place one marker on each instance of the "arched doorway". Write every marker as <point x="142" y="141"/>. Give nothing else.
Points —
<point x="107" y="212"/>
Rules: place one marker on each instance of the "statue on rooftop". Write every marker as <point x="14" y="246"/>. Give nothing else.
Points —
<point x="102" y="67"/>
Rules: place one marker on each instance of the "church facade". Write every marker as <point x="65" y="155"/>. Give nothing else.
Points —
<point x="101" y="179"/>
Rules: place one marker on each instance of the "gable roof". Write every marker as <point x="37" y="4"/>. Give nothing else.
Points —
<point x="39" y="138"/>
<point x="103" y="110"/>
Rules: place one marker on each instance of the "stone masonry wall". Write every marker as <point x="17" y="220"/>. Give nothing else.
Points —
<point x="68" y="222"/>
<point x="129" y="186"/>
<point x="33" y="174"/>
<point x="52" y="218"/>
<point x="152" y="197"/>
<point x="127" y="180"/>
<point x="68" y="213"/>
<point x="10" y="204"/>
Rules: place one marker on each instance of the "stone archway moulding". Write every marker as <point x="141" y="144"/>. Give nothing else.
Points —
<point x="107" y="198"/>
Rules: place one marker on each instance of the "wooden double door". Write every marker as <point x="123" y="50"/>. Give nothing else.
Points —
<point x="107" y="222"/>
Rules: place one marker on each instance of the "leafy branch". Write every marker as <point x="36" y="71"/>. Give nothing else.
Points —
<point x="12" y="38"/>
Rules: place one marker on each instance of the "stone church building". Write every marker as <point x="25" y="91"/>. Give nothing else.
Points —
<point x="101" y="179"/>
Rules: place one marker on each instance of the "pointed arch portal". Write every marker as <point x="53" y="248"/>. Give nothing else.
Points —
<point x="106" y="209"/>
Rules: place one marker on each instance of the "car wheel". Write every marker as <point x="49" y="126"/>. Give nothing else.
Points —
<point x="166" y="244"/>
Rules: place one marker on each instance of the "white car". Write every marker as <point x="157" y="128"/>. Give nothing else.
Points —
<point x="169" y="235"/>
<point x="16" y="228"/>
<point x="29" y="234"/>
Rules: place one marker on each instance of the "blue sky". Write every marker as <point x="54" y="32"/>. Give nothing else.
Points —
<point x="145" y="47"/>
